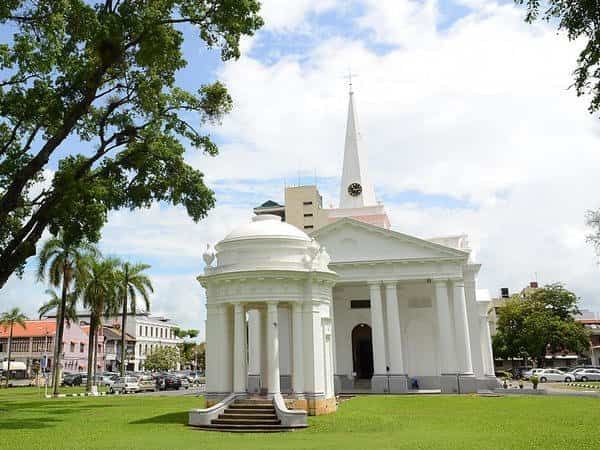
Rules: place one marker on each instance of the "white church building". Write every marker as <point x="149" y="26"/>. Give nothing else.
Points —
<point x="304" y="303"/>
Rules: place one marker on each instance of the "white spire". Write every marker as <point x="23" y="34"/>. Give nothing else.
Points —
<point x="356" y="191"/>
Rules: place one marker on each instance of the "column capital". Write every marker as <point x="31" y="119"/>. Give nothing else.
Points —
<point x="389" y="284"/>
<point x="374" y="283"/>
<point x="457" y="281"/>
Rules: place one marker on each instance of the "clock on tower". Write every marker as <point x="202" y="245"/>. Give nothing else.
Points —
<point x="354" y="189"/>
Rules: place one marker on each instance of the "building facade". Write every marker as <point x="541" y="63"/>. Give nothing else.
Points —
<point x="394" y="313"/>
<point x="36" y="341"/>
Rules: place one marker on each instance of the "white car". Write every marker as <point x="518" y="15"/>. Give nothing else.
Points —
<point x="109" y="380"/>
<point x="531" y="372"/>
<point x="125" y="385"/>
<point x="588" y="375"/>
<point x="550" y="375"/>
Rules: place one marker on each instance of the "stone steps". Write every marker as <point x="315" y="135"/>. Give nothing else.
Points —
<point x="248" y="416"/>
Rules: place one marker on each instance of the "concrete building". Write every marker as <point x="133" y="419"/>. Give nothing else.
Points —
<point x="30" y="344"/>
<point x="350" y="306"/>
<point x="112" y="346"/>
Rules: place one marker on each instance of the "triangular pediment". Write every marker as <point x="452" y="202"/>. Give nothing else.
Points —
<point x="348" y="240"/>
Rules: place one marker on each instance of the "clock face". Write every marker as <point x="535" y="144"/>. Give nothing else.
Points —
<point x="355" y="189"/>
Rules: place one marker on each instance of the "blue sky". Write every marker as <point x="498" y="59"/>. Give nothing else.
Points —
<point x="464" y="112"/>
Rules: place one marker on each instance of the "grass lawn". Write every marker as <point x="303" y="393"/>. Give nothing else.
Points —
<point x="127" y="422"/>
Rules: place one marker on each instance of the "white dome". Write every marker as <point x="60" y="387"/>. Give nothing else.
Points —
<point x="266" y="226"/>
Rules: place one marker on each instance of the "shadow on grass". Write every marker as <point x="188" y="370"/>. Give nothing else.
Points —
<point x="27" y="424"/>
<point x="177" y="417"/>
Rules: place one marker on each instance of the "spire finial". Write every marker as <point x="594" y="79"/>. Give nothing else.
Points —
<point x="349" y="77"/>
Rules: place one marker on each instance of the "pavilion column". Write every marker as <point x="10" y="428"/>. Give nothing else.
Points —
<point x="239" y="349"/>
<point x="398" y="379"/>
<point x="461" y="323"/>
<point x="379" y="380"/>
<point x="273" y="348"/>
<point x="446" y="336"/>
<point x="486" y="342"/>
<point x="297" y="348"/>
<point x="254" y="350"/>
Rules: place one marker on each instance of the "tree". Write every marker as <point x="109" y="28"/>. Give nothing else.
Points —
<point x="162" y="358"/>
<point x="539" y="322"/>
<point x="131" y="282"/>
<point x="593" y="221"/>
<point x="580" y="20"/>
<point x="54" y="303"/>
<point x="8" y="319"/>
<point x="100" y="295"/>
<point x="63" y="262"/>
<point x="90" y="88"/>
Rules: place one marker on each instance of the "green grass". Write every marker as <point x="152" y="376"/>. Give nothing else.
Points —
<point x="424" y="422"/>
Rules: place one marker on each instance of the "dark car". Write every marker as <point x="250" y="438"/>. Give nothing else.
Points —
<point x="168" y="382"/>
<point x="72" y="379"/>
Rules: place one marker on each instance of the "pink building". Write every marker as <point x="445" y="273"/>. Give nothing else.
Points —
<point x="36" y="339"/>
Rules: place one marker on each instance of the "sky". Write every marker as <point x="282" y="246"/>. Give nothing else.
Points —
<point x="465" y="113"/>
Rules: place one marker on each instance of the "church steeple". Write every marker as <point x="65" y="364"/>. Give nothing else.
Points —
<point x="356" y="190"/>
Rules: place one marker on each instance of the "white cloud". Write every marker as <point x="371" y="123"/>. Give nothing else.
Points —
<point x="403" y="22"/>
<point x="284" y="16"/>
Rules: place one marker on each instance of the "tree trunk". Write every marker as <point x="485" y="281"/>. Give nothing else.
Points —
<point x="9" y="353"/>
<point x="95" y="356"/>
<point x="58" y="344"/>
<point x="88" y="384"/>
<point x="123" y="340"/>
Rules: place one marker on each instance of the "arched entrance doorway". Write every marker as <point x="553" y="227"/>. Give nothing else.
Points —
<point x="362" y="351"/>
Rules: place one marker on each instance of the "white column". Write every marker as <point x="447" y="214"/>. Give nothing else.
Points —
<point x="461" y="322"/>
<point x="477" y="355"/>
<point x="254" y="342"/>
<point x="224" y="333"/>
<point x="486" y="344"/>
<point x="377" y="325"/>
<point x="273" y="348"/>
<point x="446" y="342"/>
<point x="394" y="330"/>
<point x="212" y="359"/>
<point x="239" y="349"/>
<point x="297" y="349"/>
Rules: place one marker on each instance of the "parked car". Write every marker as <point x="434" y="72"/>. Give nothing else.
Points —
<point x="166" y="382"/>
<point x="73" y="379"/>
<point x="550" y="375"/>
<point x="184" y="382"/>
<point x="125" y="385"/>
<point x="108" y="380"/>
<point x="147" y="383"/>
<point x="588" y="375"/>
<point x="529" y="373"/>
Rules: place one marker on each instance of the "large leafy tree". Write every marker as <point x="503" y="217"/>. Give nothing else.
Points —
<point x="63" y="263"/>
<point x="8" y="320"/>
<point x="539" y="322"/>
<point x="88" y="90"/>
<point x="162" y="358"/>
<point x="132" y="281"/>
<point x="100" y="296"/>
<point x="579" y="19"/>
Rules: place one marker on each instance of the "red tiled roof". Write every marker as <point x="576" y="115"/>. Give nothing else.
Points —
<point x="589" y="321"/>
<point x="32" y="328"/>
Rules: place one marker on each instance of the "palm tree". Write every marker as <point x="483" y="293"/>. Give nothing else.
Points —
<point x="100" y="295"/>
<point x="54" y="304"/>
<point x="62" y="261"/>
<point x="9" y="319"/>
<point x="131" y="282"/>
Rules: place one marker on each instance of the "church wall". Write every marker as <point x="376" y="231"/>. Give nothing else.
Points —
<point x="345" y="320"/>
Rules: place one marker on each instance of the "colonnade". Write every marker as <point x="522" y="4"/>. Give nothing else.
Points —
<point x="454" y="339"/>
<point x="254" y="366"/>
